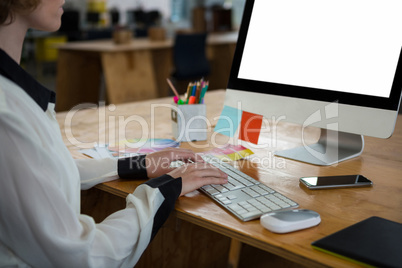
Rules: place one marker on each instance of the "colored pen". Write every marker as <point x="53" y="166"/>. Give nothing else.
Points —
<point x="203" y="91"/>
<point x="198" y="93"/>
<point x="194" y="89"/>
<point x="191" y="100"/>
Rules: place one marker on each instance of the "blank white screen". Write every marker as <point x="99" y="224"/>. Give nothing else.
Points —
<point x="342" y="45"/>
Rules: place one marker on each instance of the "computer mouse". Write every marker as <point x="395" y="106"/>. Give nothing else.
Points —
<point x="286" y="221"/>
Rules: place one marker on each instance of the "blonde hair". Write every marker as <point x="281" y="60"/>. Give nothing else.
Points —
<point x="8" y="7"/>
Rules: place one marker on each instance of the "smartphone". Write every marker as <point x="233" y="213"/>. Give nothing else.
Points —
<point x="326" y="182"/>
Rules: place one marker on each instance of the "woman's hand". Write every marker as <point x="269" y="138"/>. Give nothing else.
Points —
<point x="158" y="163"/>
<point x="198" y="174"/>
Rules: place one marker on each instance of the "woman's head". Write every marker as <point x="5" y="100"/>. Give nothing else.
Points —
<point x="9" y="7"/>
<point x="42" y="15"/>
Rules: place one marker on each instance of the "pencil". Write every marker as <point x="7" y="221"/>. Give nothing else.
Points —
<point x="173" y="88"/>
<point x="197" y="93"/>
<point x="189" y="87"/>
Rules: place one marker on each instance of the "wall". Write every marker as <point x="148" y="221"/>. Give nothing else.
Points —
<point x="163" y="6"/>
<point x="124" y="5"/>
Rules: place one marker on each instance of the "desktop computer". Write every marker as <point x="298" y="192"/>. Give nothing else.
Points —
<point x="333" y="64"/>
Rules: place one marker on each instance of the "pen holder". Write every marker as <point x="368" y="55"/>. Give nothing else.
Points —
<point x="189" y="122"/>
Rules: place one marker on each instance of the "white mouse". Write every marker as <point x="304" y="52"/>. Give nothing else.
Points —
<point x="286" y="221"/>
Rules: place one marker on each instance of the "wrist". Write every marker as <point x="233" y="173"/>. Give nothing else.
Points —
<point x="132" y="167"/>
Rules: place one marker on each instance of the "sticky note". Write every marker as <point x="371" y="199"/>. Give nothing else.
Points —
<point x="230" y="152"/>
<point x="238" y="154"/>
<point x="250" y="127"/>
<point x="229" y="121"/>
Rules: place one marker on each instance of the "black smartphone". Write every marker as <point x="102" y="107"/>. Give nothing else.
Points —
<point x="326" y="182"/>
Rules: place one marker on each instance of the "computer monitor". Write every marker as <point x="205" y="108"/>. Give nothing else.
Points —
<point x="333" y="64"/>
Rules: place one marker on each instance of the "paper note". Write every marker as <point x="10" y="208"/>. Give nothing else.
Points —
<point x="250" y="127"/>
<point x="143" y="146"/>
<point x="130" y="147"/>
<point x="230" y="152"/>
<point x="228" y="121"/>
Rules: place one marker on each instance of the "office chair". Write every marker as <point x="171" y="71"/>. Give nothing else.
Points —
<point x="114" y="17"/>
<point x="153" y="18"/>
<point x="93" y="32"/>
<point x="93" y="18"/>
<point x="142" y="20"/>
<point x="222" y="19"/>
<point x="189" y="58"/>
<point x="70" y="25"/>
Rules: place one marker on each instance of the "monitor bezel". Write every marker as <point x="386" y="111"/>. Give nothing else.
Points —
<point x="390" y="103"/>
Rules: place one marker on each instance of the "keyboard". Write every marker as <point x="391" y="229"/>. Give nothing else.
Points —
<point x="243" y="196"/>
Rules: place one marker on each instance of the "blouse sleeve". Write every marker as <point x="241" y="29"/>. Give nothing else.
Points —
<point x="95" y="171"/>
<point x="40" y="226"/>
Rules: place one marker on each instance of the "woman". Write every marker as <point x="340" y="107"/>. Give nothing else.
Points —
<point x="40" y="183"/>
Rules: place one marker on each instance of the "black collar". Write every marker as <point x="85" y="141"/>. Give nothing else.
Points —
<point x="13" y="71"/>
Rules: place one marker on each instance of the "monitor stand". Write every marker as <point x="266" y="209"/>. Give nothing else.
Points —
<point x="332" y="147"/>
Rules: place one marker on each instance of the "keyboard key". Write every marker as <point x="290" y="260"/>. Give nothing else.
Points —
<point x="212" y="191"/>
<point x="235" y="207"/>
<point x="241" y="211"/>
<point x="226" y="202"/>
<point x="251" y="209"/>
<point x="266" y="210"/>
<point x="247" y="206"/>
<point x="221" y="188"/>
<point x="251" y="214"/>
<point x="252" y="202"/>
<point x="242" y="203"/>
<point x="206" y="187"/>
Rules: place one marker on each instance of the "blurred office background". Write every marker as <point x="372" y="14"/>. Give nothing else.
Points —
<point x="97" y="19"/>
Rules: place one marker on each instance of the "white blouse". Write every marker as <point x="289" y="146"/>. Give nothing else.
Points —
<point x="40" y="184"/>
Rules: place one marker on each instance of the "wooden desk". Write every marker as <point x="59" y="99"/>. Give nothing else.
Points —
<point x="132" y="72"/>
<point x="184" y="239"/>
